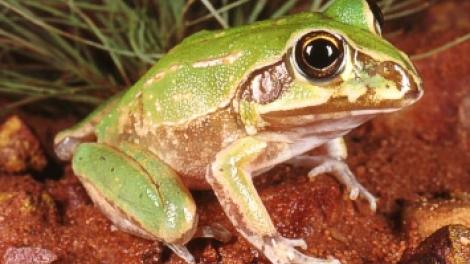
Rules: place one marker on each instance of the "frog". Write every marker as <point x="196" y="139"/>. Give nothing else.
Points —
<point x="225" y="106"/>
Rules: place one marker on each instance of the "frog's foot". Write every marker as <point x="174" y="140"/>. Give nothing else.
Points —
<point x="281" y="250"/>
<point x="182" y="252"/>
<point x="344" y="175"/>
<point x="66" y="144"/>
<point x="216" y="231"/>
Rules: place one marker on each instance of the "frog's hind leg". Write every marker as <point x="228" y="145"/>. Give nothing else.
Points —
<point x="139" y="193"/>
<point x="334" y="163"/>
<point x="67" y="140"/>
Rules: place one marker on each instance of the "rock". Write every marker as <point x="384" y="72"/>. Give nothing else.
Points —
<point x="28" y="255"/>
<point x="23" y="213"/>
<point x="20" y="150"/>
<point x="448" y="245"/>
<point x="421" y="220"/>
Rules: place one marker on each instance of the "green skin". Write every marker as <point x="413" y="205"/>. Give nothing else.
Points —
<point x="186" y="124"/>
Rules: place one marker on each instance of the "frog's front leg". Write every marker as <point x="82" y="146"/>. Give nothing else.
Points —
<point x="230" y="178"/>
<point x="334" y="163"/>
<point x="139" y="193"/>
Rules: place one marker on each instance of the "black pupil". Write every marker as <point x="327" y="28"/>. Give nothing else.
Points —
<point x="320" y="53"/>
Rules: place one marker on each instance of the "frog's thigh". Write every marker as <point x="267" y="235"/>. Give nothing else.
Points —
<point x="67" y="140"/>
<point x="138" y="192"/>
<point x="230" y="178"/>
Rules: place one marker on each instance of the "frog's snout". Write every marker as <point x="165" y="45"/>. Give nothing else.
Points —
<point x="410" y="84"/>
<point x="392" y="84"/>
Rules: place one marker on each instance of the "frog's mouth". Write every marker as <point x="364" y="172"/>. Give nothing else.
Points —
<point x="336" y="109"/>
<point x="295" y="118"/>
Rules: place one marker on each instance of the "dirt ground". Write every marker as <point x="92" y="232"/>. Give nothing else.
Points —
<point x="420" y="153"/>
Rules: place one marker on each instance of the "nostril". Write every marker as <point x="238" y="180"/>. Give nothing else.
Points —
<point x="412" y="94"/>
<point x="415" y="91"/>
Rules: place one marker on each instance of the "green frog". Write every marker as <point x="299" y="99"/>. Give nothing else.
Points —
<point x="225" y="106"/>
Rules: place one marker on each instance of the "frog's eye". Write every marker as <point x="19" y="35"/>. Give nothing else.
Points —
<point x="319" y="55"/>
<point x="378" y="15"/>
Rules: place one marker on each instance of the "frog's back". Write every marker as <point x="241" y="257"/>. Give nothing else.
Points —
<point x="201" y="74"/>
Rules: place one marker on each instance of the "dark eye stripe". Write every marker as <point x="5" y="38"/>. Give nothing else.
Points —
<point x="377" y="12"/>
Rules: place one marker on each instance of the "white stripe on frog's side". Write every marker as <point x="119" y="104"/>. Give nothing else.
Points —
<point x="228" y="59"/>
<point x="159" y="75"/>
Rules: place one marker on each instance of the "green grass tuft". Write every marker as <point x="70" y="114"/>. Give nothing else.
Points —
<point x="81" y="51"/>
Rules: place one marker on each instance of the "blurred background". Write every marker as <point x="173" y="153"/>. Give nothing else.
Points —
<point x="60" y="58"/>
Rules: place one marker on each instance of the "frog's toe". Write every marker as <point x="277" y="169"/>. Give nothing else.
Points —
<point x="65" y="147"/>
<point x="183" y="253"/>
<point x="342" y="172"/>
<point x="369" y="197"/>
<point x="359" y="190"/>
<point x="216" y="231"/>
<point x="295" y="242"/>
<point x="300" y="258"/>
<point x="281" y="250"/>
